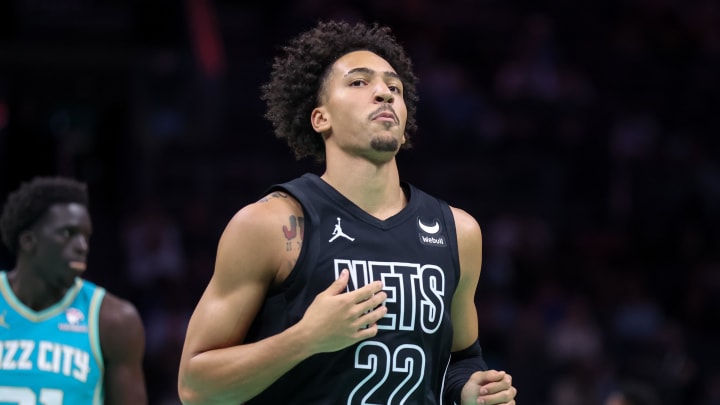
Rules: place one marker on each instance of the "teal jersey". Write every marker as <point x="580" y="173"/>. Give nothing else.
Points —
<point x="51" y="357"/>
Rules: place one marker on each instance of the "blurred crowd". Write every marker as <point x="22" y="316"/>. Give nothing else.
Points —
<point x="581" y="134"/>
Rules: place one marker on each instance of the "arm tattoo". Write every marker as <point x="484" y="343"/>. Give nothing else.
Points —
<point x="294" y="233"/>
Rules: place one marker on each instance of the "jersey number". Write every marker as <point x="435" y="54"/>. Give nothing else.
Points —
<point x="408" y="361"/>
<point x="26" y="396"/>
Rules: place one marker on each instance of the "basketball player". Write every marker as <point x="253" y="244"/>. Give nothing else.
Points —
<point x="63" y="340"/>
<point x="351" y="287"/>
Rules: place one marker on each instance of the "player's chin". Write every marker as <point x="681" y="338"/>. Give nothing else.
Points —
<point x="387" y="143"/>
<point x="66" y="280"/>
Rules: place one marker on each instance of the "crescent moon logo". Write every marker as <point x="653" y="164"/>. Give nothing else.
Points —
<point x="431" y="229"/>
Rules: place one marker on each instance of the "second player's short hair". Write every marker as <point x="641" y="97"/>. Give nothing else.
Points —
<point x="31" y="201"/>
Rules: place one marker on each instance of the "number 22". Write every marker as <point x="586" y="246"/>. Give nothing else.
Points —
<point x="406" y="359"/>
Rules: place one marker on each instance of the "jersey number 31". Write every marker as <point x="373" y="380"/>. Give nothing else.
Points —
<point x="26" y="396"/>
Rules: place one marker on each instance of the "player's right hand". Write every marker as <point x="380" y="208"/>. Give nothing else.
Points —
<point x="336" y="319"/>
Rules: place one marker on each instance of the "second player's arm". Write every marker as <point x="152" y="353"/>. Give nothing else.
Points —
<point x="122" y="339"/>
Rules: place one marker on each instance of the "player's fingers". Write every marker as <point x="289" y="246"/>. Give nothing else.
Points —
<point x="502" y="397"/>
<point x="368" y="326"/>
<point x="370" y="304"/>
<point x="372" y="316"/>
<point x="367" y="331"/>
<point x="488" y="376"/>
<point x="367" y="293"/>
<point x="340" y="284"/>
<point x="377" y="299"/>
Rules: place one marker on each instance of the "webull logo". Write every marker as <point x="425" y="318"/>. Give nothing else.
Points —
<point x="432" y="240"/>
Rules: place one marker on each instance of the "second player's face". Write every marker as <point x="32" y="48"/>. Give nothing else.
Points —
<point x="363" y="98"/>
<point x="62" y="244"/>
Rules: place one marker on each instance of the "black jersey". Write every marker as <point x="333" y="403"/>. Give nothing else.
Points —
<point x="415" y="255"/>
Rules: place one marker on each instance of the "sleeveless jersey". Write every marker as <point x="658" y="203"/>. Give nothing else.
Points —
<point x="51" y="357"/>
<point x="415" y="255"/>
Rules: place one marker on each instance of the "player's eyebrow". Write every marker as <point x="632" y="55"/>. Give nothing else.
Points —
<point x="368" y="71"/>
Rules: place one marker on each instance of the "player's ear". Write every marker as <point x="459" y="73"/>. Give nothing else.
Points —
<point x="27" y="241"/>
<point x="320" y="120"/>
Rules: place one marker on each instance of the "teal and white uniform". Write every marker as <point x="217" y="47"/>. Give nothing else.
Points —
<point x="53" y="356"/>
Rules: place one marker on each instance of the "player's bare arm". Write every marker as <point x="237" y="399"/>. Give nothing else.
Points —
<point x="256" y="251"/>
<point x="122" y="338"/>
<point x="464" y="313"/>
<point x="493" y="387"/>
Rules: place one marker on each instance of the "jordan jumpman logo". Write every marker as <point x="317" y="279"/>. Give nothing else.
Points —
<point x="338" y="232"/>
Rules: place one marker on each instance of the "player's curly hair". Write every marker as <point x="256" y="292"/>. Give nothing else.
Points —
<point x="297" y="77"/>
<point x="31" y="201"/>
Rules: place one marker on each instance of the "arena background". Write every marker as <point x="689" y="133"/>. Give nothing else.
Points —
<point x="583" y="135"/>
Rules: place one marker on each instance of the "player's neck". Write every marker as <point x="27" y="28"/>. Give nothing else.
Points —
<point x="374" y="188"/>
<point x="33" y="292"/>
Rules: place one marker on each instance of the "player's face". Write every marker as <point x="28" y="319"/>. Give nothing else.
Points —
<point x="62" y="238"/>
<point x="363" y="102"/>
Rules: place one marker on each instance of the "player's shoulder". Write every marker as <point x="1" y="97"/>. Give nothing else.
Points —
<point x="118" y="312"/>
<point x="464" y="222"/>
<point x="273" y="207"/>
<point x="467" y="228"/>
<point x="121" y="329"/>
<point x="257" y="229"/>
